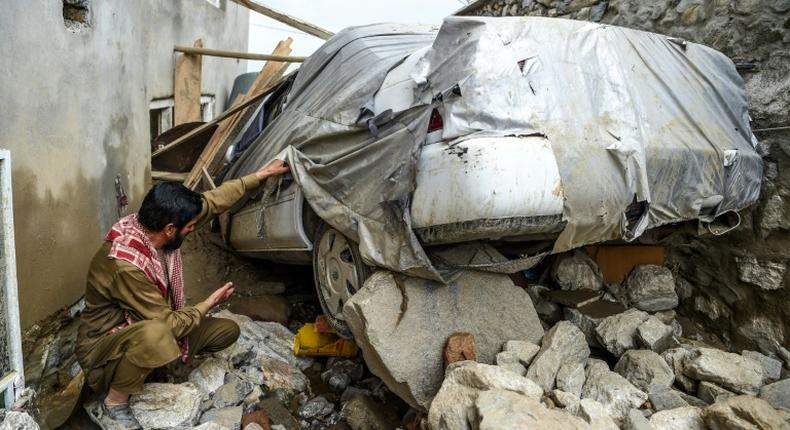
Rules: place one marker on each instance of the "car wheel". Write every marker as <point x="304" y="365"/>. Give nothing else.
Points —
<point x="339" y="273"/>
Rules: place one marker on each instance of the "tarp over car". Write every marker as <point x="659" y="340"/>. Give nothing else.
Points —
<point x="631" y="117"/>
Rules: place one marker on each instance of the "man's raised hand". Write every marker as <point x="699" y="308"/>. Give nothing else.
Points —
<point x="273" y="168"/>
<point x="220" y="295"/>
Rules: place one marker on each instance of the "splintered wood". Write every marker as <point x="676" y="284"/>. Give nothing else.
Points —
<point x="270" y="74"/>
<point x="186" y="87"/>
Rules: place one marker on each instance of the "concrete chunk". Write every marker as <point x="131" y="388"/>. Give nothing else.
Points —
<point x="563" y="344"/>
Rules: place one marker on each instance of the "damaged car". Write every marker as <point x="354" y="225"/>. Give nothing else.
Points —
<point x="538" y="135"/>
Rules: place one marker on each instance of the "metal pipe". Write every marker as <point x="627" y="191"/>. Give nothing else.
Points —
<point x="241" y="55"/>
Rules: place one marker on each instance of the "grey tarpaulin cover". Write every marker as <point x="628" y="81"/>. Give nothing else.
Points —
<point x="631" y="117"/>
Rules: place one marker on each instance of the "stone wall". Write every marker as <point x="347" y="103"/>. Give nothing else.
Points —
<point x="75" y="114"/>
<point x="735" y="285"/>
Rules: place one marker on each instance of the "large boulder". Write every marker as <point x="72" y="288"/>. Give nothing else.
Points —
<point x="742" y="413"/>
<point x="564" y="344"/>
<point x="500" y="409"/>
<point x="617" y="333"/>
<point x="161" y="406"/>
<point x="651" y="288"/>
<point x="401" y="324"/>
<point x="454" y="405"/>
<point x="577" y="271"/>
<point x="777" y="394"/>
<point x="772" y="368"/>
<point x="728" y="370"/>
<point x="18" y="421"/>
<point x="614" y="392"/>
<point x="644" y="368"/>
<point x="686" y="418"/>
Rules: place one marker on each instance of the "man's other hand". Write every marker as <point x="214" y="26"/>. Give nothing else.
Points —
<point x="220" y="295"/>
<point x="274" y="168"/>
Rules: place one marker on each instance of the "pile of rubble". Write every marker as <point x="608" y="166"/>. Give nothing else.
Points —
<point x="258" y="383"/>
<point x="657" y="378"/>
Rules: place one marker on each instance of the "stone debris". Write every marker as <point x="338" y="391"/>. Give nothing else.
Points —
<point x="644" y="368"/>
<point x="662" y="397"/>
<point x="651" y="288"/>
<point x="228" y="417"/>
<point x="766" y="274"/>
<point x="209" y="376"/>
<point x="570" y="378"/>
<point x="655" y="335"/>
<point x="594" y="414"/>
<point x="711" y="393"/>
<point x="498" y="409"/>
<point x="460" y="347"/>
<point x="636" y="421"/>
<point x="777" y="394"/>
<point x="677" y="358"/>
<point x="728" y="370"/>
<point x="617" y="333"/>
<point x="563" y="344"/>
<point x="509" y="360"/>
<point x="318" y="407"/>
<point x="686" y="418"/>
<point x="772" y="368"/>
<point x="614" y="392"/>
<point x="389" y="318"/>
<point x="577" y="271"/>
<point x="524" y="350"/>
<point x="18" y="421"/>
<point x="363" y="413"/>
<point x="232" y="393"/>
<point x="153" y="407"/>
<point x="341" y="373"/>
<point x="744" y="412"/>
<point x="454" y="404"/>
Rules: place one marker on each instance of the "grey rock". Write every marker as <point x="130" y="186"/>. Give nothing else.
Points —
<point x="563" y="344"/>
<point x="594" y="414"/>
<point x="363" y="413"/>
<point x="692" y="400"/>
<point x="663" y="397"/>
<point x="317" y="407"/>
<point x="226" y="417"/>
<point x="655" y="335"/>
<point x="407" y="357"/>
<point x="153" y="406"/>
<point x="252" y="374"/>
<point x="683" y="288"/>
<point x="253" y="397"/>
<point x="711" y="393"/>
<point x="509" y="360"/>
<point x="744" y="412"/>
<point x="711" y="307"/>
<point x="253" y="426"/>
<point x="547" y="311"/>
<point x="454" y="404"/>
<point x="525" y="351"/>
<point x="18" y="421"/>
<point x="766" y="274"/>
<point x="570" y="378"/>
<point x="342" y="373"/>
<point x="651" y="288"/>
<point x="585" y="323"/>
<point x="687" y="418"/>
<point x="636" y="421"/>
<point x="577" y="271"/>
<point x="644" y="368"/>
<point x="502" y="409"/>
<point x="677" y="358"/>
<point x="210" y="426"/>
<point x="614" y="392"/>
<point x="232" y="394"/>
<point x="279" y="375"/>
<point x="728" y="370"/>
<point x="617" y="333"/>
<point x="569" y="402"/>
<point x="777" y="394"/>
<point x="772" y="367"/>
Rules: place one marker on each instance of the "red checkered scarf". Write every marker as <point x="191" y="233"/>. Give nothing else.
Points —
<point x="129" y="243"/>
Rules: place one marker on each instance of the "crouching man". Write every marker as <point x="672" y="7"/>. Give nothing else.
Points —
<point x="135" y="319"/>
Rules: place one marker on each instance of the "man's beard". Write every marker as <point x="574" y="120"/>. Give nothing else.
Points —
<point x="174" y="243"/>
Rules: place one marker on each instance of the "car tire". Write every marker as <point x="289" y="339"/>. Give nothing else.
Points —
<point x="339" y="273"/>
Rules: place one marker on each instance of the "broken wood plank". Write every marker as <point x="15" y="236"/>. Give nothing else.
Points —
<point x="168" y="176"/>
<point x="186" y="87"/>
<point x="286" y="19"/>
<point x="208" y="178"/>
<point x="241" y="55"/>
<point x="220" y="140"/>
<point x="216" y="120"/>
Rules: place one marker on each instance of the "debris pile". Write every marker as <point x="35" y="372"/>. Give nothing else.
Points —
<point x="613" y="357"/>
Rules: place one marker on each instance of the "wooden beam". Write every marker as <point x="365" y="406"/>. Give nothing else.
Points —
<point x="242" y="55"/>
<point x="286" y="19"/>
<point x="168" y="176"/>
<point x="205" y="126"/>
<point x="219" y="142"/>
<point x="186" y="87"/>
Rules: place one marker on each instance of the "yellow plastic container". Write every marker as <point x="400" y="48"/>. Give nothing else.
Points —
<point x="310" y="343"/>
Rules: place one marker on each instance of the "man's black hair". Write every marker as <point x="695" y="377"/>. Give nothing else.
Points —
<point x="169" y="202"/>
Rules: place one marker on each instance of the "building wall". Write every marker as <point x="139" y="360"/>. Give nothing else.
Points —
<point x="75" y="115"/>
<point x="735" y="285"/>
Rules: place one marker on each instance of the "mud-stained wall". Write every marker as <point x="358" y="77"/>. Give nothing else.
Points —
<point x="75" y="115"/>
<point x="737" y="284"/>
